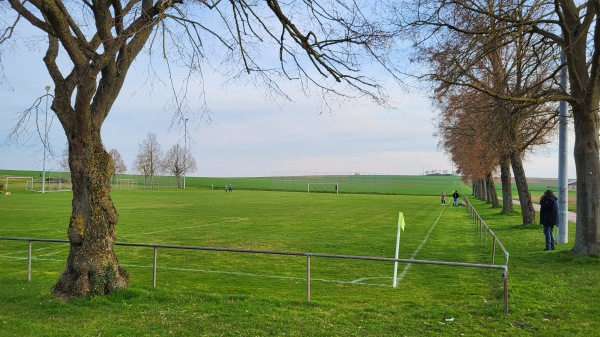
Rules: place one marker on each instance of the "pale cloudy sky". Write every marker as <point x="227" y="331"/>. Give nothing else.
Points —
<point x="248" y="135"/>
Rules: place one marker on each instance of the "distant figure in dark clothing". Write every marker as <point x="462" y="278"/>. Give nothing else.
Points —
<point x="549" y="217"/>
<point x="455" y="195"/>
<point x="443" y="198"/>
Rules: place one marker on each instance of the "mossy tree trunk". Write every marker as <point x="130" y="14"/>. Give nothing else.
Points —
<point x="83" y="97"/>
<point x="92" y="265"/>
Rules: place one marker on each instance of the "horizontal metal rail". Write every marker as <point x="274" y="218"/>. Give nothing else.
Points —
<point x="308" y="255"/>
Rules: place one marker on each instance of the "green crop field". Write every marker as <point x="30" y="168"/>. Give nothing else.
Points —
<point x="210" y="293"/>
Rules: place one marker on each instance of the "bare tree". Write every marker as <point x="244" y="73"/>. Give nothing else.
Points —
<point x="118" y="162"/>
<point x="179" y="162"/>
<point x="149" y="158"/>
<point x="322" y="44"/>
<point x="64" y="160"/>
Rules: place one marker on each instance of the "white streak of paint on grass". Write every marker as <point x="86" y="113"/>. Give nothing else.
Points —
<point x="414" y="254"/>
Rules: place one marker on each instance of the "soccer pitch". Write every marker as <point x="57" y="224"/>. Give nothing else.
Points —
<point x="359" y="225"/>
<point x="210" y="293"/>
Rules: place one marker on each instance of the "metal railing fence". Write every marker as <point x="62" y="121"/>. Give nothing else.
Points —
<point x="308" y="255"/>
<point x="484" y="230"/>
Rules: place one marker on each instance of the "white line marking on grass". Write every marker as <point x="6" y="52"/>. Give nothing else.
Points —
<point x="412" y="257"/>
<point x="187" y="227"/>
<point x="261" y="275"/>
<point x="54" y="247"/>
<point x="19" y="252"/>
<point x="234" y="273"/>
<point x="360" y="280"/>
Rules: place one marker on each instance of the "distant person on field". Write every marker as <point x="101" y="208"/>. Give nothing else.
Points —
<point x="443" y="198"/>
<point x="455" y="195"/>
<point x="230" y="188"/>
<point x="549" y="217"/>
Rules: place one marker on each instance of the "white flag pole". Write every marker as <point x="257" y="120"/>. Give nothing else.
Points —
<point x="394" y="282"/>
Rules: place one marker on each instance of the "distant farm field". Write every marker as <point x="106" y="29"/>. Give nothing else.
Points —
<point x="346" y="183"/>
<point x="208" y="293"/>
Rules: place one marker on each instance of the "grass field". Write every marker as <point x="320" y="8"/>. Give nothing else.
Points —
<point x="369" y="184"/>
<point x="232" y="294"/>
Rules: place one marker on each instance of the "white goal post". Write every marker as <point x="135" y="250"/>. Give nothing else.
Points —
<point x="28" y="182"/>
<point x="323" y="187"/>
<point x="127" y="184"/>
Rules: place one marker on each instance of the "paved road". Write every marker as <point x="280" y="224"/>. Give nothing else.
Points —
<point x="571" y="215"/>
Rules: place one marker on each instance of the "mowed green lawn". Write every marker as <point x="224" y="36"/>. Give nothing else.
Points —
<point x="205" y="293"/>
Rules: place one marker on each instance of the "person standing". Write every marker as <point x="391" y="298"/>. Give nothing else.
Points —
<point x="549" y="217"/>
<point x="443" y="198"/>
<point x="455" y="195"/>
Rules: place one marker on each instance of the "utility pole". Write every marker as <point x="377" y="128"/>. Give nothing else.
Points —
<point x="45" y="141"/>
<point x="563" y="196"/>
<point x="184" y="149"/>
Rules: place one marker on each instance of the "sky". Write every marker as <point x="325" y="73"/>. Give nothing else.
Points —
<point x="248" y="135"/>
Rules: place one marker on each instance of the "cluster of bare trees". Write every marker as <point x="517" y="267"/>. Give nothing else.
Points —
<point x="150" y="160"/>
<point x="438" y="172"/>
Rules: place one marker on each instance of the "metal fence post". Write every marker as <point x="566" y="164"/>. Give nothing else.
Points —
<point x="154" y="267"/>
<point x="28" y="260"/>
<point x="307" y="277"/>
<point x="485" y="238"/>
<point x="493" y="249"/>
<point x="505" y="289"/>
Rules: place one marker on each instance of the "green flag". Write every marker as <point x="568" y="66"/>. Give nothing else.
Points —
<point x="401" y="220"/>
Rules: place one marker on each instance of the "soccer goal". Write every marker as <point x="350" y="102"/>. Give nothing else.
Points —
<point x="323" y="188"/>
<point x="19" y="182"/>
<point x="126" y="184"/>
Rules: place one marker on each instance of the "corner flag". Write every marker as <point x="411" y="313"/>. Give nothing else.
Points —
<point x="400" y="226"/>
<point x="401" y="220"/>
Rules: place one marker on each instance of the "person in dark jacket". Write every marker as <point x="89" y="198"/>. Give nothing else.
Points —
<point x="549" y="216"/>
<point x="455" y="195"/>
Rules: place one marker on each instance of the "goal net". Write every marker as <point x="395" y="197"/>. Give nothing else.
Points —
<point x="323" y="188"/>
<point x="18" y="183"/>
<point x="126" y="184"/>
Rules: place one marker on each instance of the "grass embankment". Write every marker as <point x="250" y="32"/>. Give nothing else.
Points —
<point x="227" y="294"/>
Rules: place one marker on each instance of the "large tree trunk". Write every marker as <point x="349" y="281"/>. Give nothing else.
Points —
<point x="477" y="188"/>
<point x="492" y="194"/>
<point x="587" y="161"/>
<point x="92" y="266"/>
<point x="482" y="191"/>
<point x="486" y="190"/>
<point x="527" y="210"/>
<point x="507" y="203"/>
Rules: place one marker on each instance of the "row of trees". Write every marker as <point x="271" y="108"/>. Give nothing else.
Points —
<point x="150" y="160"/>
<point x="496" y="67"/>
